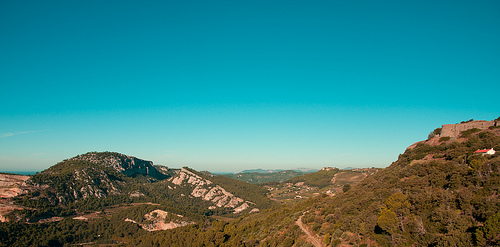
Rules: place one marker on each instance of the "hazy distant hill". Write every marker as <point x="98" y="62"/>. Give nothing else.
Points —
<point x="263" y="176"/>
<point x="302" y="170"/>
<point x="260" y="176"/>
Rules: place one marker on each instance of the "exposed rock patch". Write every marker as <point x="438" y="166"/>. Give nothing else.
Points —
<point x="10" y="186"/>
<point x="161" y="220"/>
<point x="206" y="190"/>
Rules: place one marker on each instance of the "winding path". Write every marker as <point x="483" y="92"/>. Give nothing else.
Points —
<point x="310" y="236"/>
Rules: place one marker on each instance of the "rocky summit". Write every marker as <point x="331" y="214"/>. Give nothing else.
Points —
<point x="127" y="165"/>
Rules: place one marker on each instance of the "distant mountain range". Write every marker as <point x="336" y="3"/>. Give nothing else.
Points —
<point x="303" y="170"/>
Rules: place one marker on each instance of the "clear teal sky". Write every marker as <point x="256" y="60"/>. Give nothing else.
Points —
<point x="233" y="85"/>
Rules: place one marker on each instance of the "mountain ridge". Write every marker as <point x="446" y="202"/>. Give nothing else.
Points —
<point x="96" y="179"/>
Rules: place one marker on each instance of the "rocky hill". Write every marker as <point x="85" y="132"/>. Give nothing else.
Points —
<point x="94" y="181"/>
<point x="127" y="165"/>
<point x="91" y="175"/>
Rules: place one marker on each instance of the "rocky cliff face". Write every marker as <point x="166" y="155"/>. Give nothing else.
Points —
<point x="206" y="190"/>
<point x="128" y="165"/>
<point x="453" y="130"/>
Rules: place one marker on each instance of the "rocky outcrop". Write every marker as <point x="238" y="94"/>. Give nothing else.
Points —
<point x="162" y="220"/>
<point x="207" y="191"/>
<point x="97" y="184"/>
<point x="453" y="130"/>
<point x="128" y="165"/>
<point x="190" y="178"/>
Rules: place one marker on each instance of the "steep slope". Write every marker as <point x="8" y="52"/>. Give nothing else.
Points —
<point x="208" y="191"/>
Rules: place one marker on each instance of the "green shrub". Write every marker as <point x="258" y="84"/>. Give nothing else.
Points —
<point x="443" y="139"/>
<point x="434" y="133"/>
<point x="469" y="132"/>
<point x="336" y="242"/>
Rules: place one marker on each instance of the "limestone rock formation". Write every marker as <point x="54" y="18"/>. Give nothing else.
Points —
<point x="207" y="191"/>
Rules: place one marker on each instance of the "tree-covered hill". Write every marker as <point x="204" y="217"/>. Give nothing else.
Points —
<point x="433" y="195"/>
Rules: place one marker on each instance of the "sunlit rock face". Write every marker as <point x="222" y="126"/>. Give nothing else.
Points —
<point x="206" y="190"/>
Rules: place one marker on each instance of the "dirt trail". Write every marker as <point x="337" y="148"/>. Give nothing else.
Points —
<point x="310" y="236"/>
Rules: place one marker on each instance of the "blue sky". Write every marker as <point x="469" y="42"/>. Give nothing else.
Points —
<point x="234" y="85"/>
